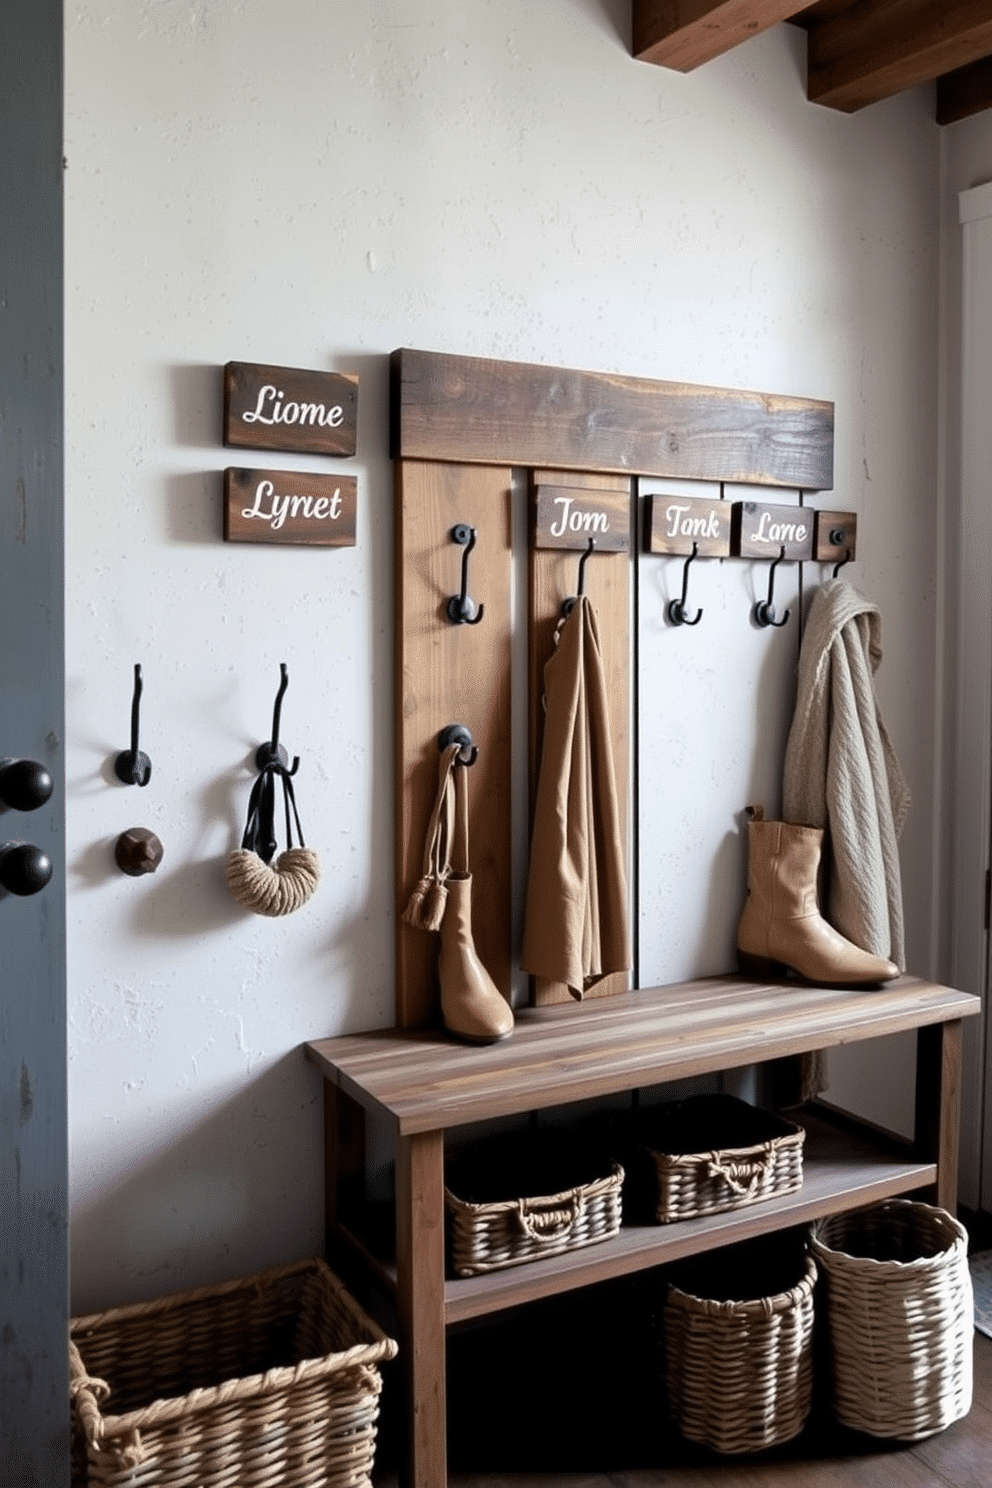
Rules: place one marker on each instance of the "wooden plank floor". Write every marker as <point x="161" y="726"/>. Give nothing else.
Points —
<point x="539" y="1406"/>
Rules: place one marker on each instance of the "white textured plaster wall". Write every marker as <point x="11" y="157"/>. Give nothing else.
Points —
<point x="313" y="185"/>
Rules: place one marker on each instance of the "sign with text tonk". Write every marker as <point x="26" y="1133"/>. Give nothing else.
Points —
<point x="288" y="408"/>
<point x="287" y="506"/>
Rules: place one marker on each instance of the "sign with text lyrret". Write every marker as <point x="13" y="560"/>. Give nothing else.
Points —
<point x="287" y="506"/>
<point x="289" y="408"/>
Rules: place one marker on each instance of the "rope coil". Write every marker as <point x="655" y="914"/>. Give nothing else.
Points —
<point x="266" y="888"/>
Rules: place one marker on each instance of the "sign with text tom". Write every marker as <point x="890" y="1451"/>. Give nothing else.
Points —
<point x="288" y="408"/>
<point x="288" y="506"/>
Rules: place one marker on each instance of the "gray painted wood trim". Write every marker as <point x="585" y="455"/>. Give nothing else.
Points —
<point x="34" y="1416"/>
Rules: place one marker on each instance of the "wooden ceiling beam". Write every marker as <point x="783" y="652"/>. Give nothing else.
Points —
<point x="683" y="34"/>
<point x="866" y="52"/>
<point x="967" y="90"/>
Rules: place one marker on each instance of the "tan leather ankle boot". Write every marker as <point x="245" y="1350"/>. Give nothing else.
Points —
<point x="781" y="926"/>
<point x="471" y="1004"/>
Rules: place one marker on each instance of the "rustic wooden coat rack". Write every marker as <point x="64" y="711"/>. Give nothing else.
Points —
<point x="460" y="426"/>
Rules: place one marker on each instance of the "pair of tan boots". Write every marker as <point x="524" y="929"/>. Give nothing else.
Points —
<point x="781" y="925"/>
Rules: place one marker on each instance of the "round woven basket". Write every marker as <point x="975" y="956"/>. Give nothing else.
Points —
<point x="901" y="1317"/>
<point x="740" y="1374"/>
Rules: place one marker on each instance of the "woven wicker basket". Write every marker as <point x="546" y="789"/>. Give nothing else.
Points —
<point x="526" y="1197"/>
<point x="714" y="1152"/>
<point x="901" y="1316"/>
<point x="740" y="1373"/>
<point x="271" y="1379"/>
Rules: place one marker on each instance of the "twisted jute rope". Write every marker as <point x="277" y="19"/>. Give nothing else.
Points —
<point x="266" y="888"/>
<point x="273" y="889"/>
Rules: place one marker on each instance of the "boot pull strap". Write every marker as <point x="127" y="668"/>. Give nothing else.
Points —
<point x="459" y="836"/>
<point x="756" y="813"/>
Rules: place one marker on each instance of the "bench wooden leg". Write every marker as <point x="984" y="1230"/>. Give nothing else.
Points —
<point x="938" y="1103"/>
<point x="420" y="1302"/>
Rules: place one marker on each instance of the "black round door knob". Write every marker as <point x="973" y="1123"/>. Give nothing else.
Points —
<point x="24" y="869"/>
<point x="24" y="784"/>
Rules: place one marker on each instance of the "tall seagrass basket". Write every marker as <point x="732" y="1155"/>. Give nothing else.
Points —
<point x="739" y="1368"/>
<point x="269" y="1380"/>
<point x="901" y="1317"/>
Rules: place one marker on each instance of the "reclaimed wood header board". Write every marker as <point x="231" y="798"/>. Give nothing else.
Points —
<point x="475" y="411"/>
<point x="288" y="408"/>
<point x="286" y="506"/>
<point x="568" y="516"/>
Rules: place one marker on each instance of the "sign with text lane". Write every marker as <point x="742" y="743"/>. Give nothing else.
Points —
<point x="287" y="506"/>
<point x="288" y="408"/>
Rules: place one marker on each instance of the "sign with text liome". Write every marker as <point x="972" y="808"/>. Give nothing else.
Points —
<point x="288" y="408"/>
<point x="288" y="506"/>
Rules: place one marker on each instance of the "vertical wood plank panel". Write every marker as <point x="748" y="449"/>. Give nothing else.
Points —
<point x="553" y="578"/>
<point x="445" y="674"/>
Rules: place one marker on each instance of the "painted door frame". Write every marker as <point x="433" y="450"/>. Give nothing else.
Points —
<point x="972" y="790"/>
<point x="34" y="1287"/>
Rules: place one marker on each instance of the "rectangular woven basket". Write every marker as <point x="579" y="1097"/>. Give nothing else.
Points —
<point x="901" y="1317"/>
<point x="739" y="1366"/>
<point x="526" y="1196"/>
<point x="715" y="1152"/>
<point x="269" y="1379"/>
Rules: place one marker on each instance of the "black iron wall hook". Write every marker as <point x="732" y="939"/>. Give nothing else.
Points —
<point x="457" y="733"/>
<point x="837" y="537"/>
<point x="131" y="766"/>
<point x="677" y="612"/>
<point x="274" y="753"/>
<point x="569" y="604"/>
<point x="764" y="610"/>
<point x="461" y="609"/>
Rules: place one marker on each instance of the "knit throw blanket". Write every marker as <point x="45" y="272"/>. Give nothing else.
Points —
<point x="841" y="772"/>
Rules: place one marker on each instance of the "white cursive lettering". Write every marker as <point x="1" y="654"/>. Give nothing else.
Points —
<point x="770" y="531"/>
<point x="270" y="409"/>
<point x="695" y="527"/>
<point x="577" y="521"/>
<point x="317" y="509"/>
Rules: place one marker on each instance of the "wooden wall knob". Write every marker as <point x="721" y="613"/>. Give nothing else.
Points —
<point x="138" y="851"/>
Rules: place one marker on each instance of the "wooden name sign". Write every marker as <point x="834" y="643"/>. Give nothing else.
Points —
<point x="567" y="517"/>
<point x="836" y="536"/>
<point x="764" y="531"/>
<point x="677" y="524"/>
<point x="285" y="506"/>
<point x="286" y="408"/>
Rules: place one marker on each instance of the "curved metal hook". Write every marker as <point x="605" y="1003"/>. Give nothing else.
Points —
<point x="461" y="609"/>
<point x="274" y="753"/>
<point x="131" y="766"/>
<point x="846" y="559"/>
<point x="764" y="610"/>
<point x="457" y="733"/>
<point x="569" y="604"/>
<point x="677" y="612"/>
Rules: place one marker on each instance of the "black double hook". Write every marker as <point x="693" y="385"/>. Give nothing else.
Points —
<point x="457" y="733"/>
<point x="274" y="753"/>
<point x="677" y="612"/>
<point x="461" y="609"/>
<point x="569" y="604"/>
<point x="131" y="766"/>
<point x="764" y="610"/>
